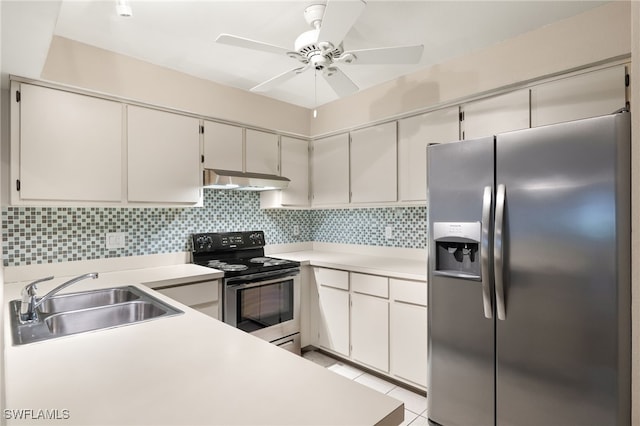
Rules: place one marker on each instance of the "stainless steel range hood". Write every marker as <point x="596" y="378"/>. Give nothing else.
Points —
<point x="229" y="179"/>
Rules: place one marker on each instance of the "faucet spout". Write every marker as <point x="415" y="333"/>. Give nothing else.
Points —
<point x="92" y="275"/>
<point x="30" y="301"/>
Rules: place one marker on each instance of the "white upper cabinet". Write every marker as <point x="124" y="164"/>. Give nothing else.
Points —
<point x="294" y="158"/>
<point x="587" y="95"/>
<point x="497" y="114"/>
<point x="163" y="157"/>
<point x="374" y="162"/>
<point x="414" y="134"/>
<point x="69" y="147"/>
<point x="330" y="170"/>
<point x="261" y="152"/>
<point x="222" y="146"/>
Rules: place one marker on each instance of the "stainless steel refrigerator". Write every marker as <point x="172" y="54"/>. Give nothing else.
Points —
<point x="529" y="277"/>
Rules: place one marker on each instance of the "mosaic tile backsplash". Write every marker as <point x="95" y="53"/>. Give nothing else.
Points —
<point x="33" y="235"/>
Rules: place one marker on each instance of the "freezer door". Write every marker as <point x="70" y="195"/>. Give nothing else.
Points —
<point x="461" y="342"/>
<point x="563" y="346"/>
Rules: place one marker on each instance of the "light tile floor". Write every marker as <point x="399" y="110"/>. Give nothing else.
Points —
<point x="415" y="405"/>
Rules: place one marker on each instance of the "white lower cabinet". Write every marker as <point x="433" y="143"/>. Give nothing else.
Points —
<point x="202" y="296"/>
<point x="408" y="331"/>
<point x="333" y="303"/>
<point x="370" y="320"/>
<point x="375" y="321"/>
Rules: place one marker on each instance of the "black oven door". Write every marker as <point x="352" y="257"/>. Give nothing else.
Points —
<point x="255" y="304"/>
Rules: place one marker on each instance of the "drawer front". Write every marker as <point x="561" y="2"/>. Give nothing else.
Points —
<point x="332" y="278"/>
<point x="373" y="285"/>
<point x="409" y="291"/>
<point x="193" y="294"/>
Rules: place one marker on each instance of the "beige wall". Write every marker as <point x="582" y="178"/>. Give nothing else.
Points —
<point x="596" y="35"/>
<point x="80" y="65"/>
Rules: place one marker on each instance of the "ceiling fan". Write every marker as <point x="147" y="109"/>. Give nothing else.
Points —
<point x="321" y="47"/>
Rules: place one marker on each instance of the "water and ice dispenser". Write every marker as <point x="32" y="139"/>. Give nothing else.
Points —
<point x="457" y="249"/>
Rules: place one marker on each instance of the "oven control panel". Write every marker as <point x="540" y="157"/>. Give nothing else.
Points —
<point x="221" y="241"/>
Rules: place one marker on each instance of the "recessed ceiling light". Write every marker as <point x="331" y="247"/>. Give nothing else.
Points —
<point x="123" y="8"/>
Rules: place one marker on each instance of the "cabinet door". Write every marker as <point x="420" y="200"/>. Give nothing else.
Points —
<point x="587" y="95"/>
<point x="497" y="114"/>
<point x="370" y="331"/>
<point x="294" y="157"/>
<point x="414" y="134"/>
<point x="408" y="347"/>
<point x="262" y="152"/>
<point x="164" y="157"/>
<point x="374" y="162"/>
<point x="334" y="319"/>
<point x="408" y="331"/>
<point x="330" y="170"/>
<point x="70" y="146"/>
<point x="222" y="146"/>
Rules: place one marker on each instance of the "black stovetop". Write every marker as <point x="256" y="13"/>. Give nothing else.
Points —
<point x="236" y="253"/>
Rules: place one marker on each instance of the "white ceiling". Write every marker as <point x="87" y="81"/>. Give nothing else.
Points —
<point x="181" y="35"/>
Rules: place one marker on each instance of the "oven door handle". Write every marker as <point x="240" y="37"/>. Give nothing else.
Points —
<point x="241" y="286"/>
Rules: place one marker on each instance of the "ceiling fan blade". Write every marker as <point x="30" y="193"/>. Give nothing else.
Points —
<point x="339" y="17"/>
<point x="340" y="83"/>
<point x="278" y="79"/>
<point x="385" y="55"/>
<point x="232" y="40"/>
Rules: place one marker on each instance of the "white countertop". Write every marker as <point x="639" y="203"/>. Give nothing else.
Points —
<point x="183" y="370"/>
<point x="396" y="267"/>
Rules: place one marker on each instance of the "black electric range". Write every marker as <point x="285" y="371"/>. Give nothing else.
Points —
<point x="237" y="254"/>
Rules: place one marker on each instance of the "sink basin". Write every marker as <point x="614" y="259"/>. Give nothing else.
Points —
<point x="102" y="317"/>
<point x="88" y="299"/>
<point x="73" y="313"/>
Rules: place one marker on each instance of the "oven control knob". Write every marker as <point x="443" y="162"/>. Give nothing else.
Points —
<point x="255" y="239"/>
<point x="204" y="242"/>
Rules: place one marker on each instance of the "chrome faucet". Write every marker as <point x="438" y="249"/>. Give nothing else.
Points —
<point x="30" y="301"/>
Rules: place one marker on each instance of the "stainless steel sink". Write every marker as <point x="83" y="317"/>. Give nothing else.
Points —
<point x="75" y="313"/>
<point x="88" y="299"/>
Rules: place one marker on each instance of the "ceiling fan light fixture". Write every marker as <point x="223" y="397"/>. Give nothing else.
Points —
<point x="307" y="39"/>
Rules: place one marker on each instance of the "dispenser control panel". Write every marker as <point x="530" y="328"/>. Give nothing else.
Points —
<point x="458" y="249"/>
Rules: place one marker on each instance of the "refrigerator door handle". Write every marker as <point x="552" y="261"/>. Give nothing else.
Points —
<point x="487" y="199"/>
<point x="498" y="252"/>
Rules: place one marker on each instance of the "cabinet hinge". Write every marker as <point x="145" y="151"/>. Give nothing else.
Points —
<point x="461" y="115"/>
<point x="202" y="130"/>
<point x="627" y="80"/>
<point x="18" y="96"/>
<point x="202" y="158"/>
<point x="17" y="184"/>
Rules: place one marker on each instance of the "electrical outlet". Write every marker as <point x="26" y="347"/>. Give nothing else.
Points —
<point x="115" y="240"/>
<point x="296" y="230"/>
<point x="388" y="232"/>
